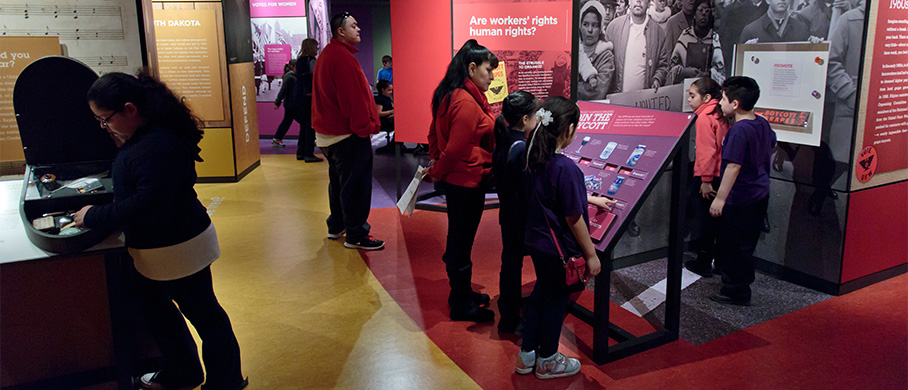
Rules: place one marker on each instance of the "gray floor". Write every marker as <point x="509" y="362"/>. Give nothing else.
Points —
<point x="703" y="320"/>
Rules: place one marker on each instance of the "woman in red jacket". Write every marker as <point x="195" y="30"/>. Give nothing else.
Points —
<point x="461" y="139"/>
<point x="711" y="126"/>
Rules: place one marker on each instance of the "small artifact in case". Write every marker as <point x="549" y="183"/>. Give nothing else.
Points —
<point x="49" y="181"/>
<point x="89" y="185"/>
<point x="44" y="223"/>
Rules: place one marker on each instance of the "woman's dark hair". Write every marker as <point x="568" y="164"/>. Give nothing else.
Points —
<point x="156" y="104"/>
<point x="708" y="86"/>
<point x="513" y="109"/>
<point x="381" y="85"/>
<point x="290" y="65"/>
<point x="309" y="47"/>
<point x="458" y="70"/>
<point x="544" y="140"/>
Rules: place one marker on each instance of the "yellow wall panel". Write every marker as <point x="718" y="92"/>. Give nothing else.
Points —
<point x="217" y="151"/>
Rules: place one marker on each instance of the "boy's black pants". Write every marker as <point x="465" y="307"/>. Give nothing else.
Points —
<point x="738" y="234"/>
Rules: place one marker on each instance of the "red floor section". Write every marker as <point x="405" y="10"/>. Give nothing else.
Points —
<point x="859" y="340"/>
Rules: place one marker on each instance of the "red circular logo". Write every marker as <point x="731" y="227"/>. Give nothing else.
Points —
<point x="866" y="166"/>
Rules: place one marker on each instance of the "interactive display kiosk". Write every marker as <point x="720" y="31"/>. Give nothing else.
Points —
<point x="623" y="152"/>
<point x="64" y="303"/>
<point x="68" y="155"/>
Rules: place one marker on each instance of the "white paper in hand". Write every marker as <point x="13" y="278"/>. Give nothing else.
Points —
<point x="407" y="202"/>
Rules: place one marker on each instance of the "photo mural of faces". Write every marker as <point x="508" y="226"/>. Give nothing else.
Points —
<point x="628" y="46"/>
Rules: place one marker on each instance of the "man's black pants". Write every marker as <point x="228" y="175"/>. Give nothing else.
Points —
<point x="350" y="186"/>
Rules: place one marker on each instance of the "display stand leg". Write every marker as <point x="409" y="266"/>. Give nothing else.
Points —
<point x="117" y="271"/>
<point x="676" y="239"/>
<point x="397" y="167"/>
<point x="627" y="343"/>
<point x="601" y="325"/>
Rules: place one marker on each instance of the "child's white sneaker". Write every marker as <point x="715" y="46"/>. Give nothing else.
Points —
<point x="556" y="366"/>
<point x="525" y="362"/>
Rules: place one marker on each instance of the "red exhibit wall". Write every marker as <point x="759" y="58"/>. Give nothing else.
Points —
<point x="421" y="38"/>
<point x="876" y="238"/>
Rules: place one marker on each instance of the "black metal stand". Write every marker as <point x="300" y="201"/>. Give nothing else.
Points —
<point x="397" y="168"/>
<point x="489" y="205"/>
<point x="603" y="330"/>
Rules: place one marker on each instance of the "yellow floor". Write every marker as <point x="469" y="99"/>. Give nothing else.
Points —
<point x="307" y="312"/>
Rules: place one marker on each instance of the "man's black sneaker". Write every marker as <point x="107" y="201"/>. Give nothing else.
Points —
<point x="366" y="243"/>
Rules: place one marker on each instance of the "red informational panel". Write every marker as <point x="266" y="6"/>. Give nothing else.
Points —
<point x="531" y="39"/>
<point x="885" y="142"/>
<point x="422" y="51"/>
<point x="877" y="227"/>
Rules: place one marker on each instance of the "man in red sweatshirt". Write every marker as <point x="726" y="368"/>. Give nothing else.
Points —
<point x="344" y="117"/>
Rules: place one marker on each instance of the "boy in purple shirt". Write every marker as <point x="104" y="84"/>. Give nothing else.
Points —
<point x="744" y="193"/>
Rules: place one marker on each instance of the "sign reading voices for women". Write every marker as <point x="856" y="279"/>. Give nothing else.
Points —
<point x="276" y="8"/>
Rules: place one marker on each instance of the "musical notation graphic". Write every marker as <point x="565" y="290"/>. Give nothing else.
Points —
<point x="58" y="11"/>
<point x="104" y="60"/>
<point x="103" y="34"/>
<point x="65" y="35"/>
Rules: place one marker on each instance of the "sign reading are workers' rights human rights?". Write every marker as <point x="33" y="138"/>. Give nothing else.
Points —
<point x="532" y="40"/>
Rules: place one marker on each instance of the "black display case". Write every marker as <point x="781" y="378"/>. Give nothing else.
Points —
<point x="67" y="153"/>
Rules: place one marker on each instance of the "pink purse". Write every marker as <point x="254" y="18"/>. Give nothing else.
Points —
<point x="574" y="267"/>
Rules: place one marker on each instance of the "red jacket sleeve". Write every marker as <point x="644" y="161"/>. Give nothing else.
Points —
<point x="462" y="131"/>
<point x="356" y="101"/>
<point x="707" y="157"/>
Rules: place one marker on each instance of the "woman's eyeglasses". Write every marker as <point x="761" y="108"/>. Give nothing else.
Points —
<point x="105" y="120"/>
